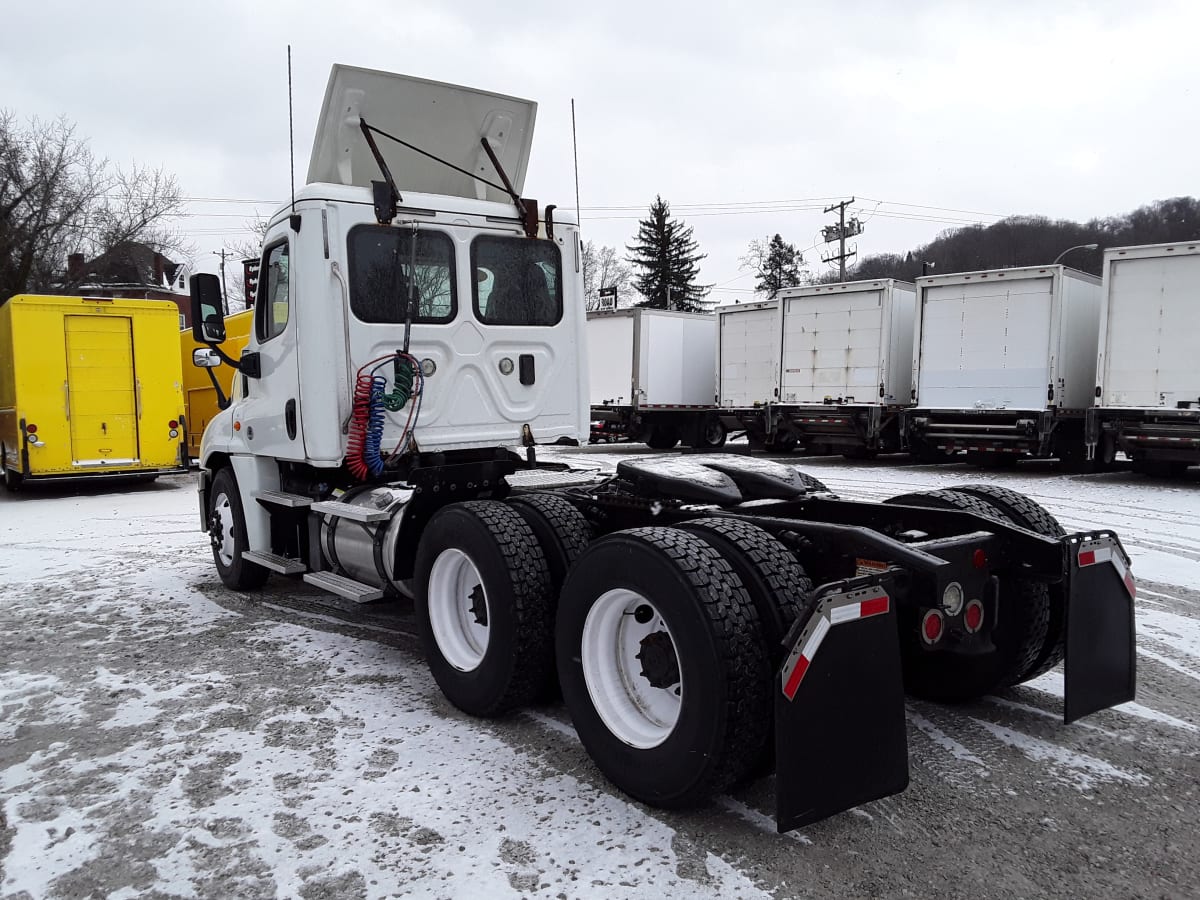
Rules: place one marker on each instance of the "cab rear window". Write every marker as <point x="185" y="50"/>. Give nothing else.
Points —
<point x="517" y="281"/>
<point x="384" y="269"/>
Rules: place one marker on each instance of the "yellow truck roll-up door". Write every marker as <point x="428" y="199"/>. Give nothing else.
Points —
<point x="102" y="397"/>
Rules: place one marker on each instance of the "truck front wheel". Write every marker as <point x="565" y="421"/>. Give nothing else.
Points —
<point x="227" y="531"/>
<point x="662" y="437"/>
<point x="484" y="607"/>
<point x="663" y="665"/>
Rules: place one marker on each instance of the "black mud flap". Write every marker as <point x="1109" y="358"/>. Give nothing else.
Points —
<point x="1100" y="665"/>
<point x="840" y="733"/>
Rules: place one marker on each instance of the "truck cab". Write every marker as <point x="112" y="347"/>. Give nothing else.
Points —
<point x="490" y="312"/>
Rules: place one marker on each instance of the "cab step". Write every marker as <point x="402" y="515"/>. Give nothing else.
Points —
<point x="350" y="511"/>
<point x="284" y="565"/>
<point x="344" y="587"/>
<point x="281" y="498"/>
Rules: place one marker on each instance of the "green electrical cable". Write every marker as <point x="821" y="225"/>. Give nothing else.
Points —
<point x="403" y="374"/>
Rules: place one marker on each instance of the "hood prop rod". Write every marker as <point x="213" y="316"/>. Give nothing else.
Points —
<point x="527" y="210"/>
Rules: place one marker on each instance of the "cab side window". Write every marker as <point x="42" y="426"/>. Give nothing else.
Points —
<point x="272" y="309"/>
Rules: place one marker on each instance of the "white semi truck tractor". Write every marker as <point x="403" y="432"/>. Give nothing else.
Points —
<point x="419" y="333"/>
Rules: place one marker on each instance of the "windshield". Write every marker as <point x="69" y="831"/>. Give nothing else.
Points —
<point x="517" y="281"/>
<point x="382" y="270"/>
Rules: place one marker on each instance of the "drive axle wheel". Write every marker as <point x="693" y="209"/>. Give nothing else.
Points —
<point x="227" y="532"/>
<point x="663" y="665"/>
<point x="483" y="607"/>
<point x="1018" y="634"/>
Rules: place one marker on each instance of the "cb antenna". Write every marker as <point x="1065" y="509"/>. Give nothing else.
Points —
<point x="295" y="219"/>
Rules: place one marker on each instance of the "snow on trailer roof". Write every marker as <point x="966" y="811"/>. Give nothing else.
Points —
<point x="1140" y="251"/>
<point x="1014" y="274"/>
<point x="445" y="120"/>
<point x="866" y="284"/>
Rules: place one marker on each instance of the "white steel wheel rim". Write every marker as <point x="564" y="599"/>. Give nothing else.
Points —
<point x="638" y="713"/>
<point x="455" y="592"/>
<point x="224" y="511"/>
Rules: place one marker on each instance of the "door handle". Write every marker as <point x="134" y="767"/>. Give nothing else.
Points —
<point x="289" y="419"/>
<point x="525" y="363"/>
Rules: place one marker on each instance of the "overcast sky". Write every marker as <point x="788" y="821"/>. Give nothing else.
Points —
<point x="747" y="117"/>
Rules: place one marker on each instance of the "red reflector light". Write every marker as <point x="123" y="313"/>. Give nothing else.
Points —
<point x="979" y="559"/>
<point x="31" y="429"/>
<point x="931" y="627"/>
<point x="973" y="617"/>
<point x="172" y="424"/>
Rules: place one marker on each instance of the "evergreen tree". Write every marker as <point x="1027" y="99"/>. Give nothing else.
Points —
<point x="667" y="257"/>
<point x="776" y="263"/>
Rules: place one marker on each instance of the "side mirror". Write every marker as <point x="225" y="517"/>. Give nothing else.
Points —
<point x="208" y="323"/>
<point x="204" y="358"/>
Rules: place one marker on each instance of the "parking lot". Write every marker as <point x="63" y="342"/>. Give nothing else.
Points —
<point x="162" y="736"/>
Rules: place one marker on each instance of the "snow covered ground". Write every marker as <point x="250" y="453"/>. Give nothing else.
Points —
<point x="161" y="736"/>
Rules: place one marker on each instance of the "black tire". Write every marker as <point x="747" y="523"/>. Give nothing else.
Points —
<point x="12" y="479"/>
<point x="515" y="666"/>
<point x="561" y="531"/>
<point x="662" y="437"/>
<point x="1027" y="513"/>
<point x="721" y="660"/>
<point x="1018" y="636"/>
<point x="778" y="585"/>
<point x="225" y="513"/>
<point x="811" y="484"/>
<point x="710" y="434"/>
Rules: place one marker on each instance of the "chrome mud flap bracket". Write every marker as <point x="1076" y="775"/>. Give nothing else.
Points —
<point x="1100" y="664"/>
<point x="840" y="732"/>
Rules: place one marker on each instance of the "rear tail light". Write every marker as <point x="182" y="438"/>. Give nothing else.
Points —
<point x="973" y="617"/>
<point x="933" y="624"/>
<point x="172" y="424"/>
<point x="31" y="429"/>
<point x="979" y="559"/>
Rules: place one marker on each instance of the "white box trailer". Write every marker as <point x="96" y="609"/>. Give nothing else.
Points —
<point x="652" y="377"/>
<point x="748" y="354"/>
<point x="1005" y="364"/>
<point x="1147" y="397"/>
<point x="846" y="365"/>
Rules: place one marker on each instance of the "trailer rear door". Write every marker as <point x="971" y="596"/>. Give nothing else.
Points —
<point x="101" y="394"/>
<point x="1152" y="319"/>
<point x="749" y="348"/>
<point x="986" y="344"/>
<point x="832" y="347"/>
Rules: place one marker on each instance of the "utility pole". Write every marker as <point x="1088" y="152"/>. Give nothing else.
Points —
<point x="224" y="295"/>
<point x="839" y="233"/>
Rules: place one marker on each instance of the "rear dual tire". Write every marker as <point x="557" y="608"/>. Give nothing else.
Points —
<point x="663" y="665"/>
<point x="1028" y="629"/>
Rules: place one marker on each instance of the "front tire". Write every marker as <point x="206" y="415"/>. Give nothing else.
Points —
<point x="663" y="666"/>
<point x="227" y="532"/>
<point x="484" y="607"/>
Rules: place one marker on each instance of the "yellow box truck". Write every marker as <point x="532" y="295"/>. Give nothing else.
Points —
<point x="199" y="394"/>
<point x="89" y="386"/>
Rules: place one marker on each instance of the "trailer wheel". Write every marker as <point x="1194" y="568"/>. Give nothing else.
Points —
<point x="561" y="530"/>
<point x="662" y="437"/>
<point x="227" y="532"/>
<point x="663" y="665"/>
<point x="1018" y="636"/>
<point x="483" y="607"/>
<point x="710" y="434"/>
<point x="1023" y="511"/>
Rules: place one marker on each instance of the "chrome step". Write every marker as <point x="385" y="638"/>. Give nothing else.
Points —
<point x="280" y="498"/>
<point x="344" y="587"/>
<point x="350" y="511"/>
<point x="285" y="565"/>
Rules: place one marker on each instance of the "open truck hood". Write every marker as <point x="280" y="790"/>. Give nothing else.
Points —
<point x="442" y="119"/>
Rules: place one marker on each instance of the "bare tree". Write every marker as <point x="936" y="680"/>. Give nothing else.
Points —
<point x="244" y="248"/>
<point x="603" y="268"/>
<point x="57" y="198"/>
